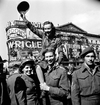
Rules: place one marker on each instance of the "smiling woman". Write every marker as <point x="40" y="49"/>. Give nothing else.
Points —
<point x="57" y="85"/>
<point x="24" y="87"/>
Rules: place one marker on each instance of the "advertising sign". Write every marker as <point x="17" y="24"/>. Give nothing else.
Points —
<point x="21" y="43"/>
<point x="19" y="49"/>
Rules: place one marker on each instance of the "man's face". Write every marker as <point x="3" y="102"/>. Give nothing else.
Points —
<point x="47" y="29"/>
<point x="89" y="58"/>
<point x="49" y="57"/>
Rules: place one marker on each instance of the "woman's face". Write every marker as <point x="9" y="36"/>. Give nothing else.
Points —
<point x="49" y="57"/>
<point x="27" y="70"/>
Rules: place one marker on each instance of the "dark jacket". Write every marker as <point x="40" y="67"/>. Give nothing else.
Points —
<point x="23" y="90"/>
<point x="59" y="85"/>
<point x="85" y="89"/>
<point x="4" y="96"/>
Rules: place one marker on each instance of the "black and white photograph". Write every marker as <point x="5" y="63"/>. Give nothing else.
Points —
<point x="50" y="52"/>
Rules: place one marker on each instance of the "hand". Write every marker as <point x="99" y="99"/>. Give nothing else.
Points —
<point x="22" y="14"/>
<point x="44" y="86"/>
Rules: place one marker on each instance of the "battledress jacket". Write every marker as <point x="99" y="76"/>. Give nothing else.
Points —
<point x="57" y="79"/>
<point x="85" y="89"/>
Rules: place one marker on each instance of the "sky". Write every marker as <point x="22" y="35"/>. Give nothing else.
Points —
<point x="83" y="13"/>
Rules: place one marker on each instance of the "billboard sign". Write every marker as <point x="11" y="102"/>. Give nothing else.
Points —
<point x="19" y="49"/>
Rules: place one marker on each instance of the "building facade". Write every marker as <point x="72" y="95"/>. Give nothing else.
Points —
<point x="77" y="39"/>
<point x="22" y="43"/>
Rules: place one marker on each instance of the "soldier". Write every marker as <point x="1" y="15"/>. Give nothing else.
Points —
<point x="23" y="85"/>
<point x="57" y="85"/>
<point x="85" y="88"/>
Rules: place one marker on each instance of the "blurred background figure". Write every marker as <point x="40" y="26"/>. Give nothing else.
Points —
<point x="71" y="66"/>
<point x="4" y="96"/>
<point x="3" y="70"/>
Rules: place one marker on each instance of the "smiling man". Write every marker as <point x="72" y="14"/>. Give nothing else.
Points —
<point x="85" y="89"/>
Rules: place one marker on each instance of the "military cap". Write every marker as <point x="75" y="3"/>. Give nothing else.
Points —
<point x="86" y="51"/>
<point x="26" y="61"/>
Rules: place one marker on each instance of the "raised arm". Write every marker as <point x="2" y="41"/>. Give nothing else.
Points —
<point x="32" y="27"/>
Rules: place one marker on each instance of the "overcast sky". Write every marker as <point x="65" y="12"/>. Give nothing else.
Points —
<point x="83" y="13"/>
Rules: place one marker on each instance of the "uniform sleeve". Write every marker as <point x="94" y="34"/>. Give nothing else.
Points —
<point x="62" y="90"/>
<point x="75" y="90"/>
<point x="20" y="91"/>
<point x="34" y="29"/>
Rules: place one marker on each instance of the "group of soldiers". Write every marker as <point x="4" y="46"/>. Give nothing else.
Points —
<point x="49" y="81"/>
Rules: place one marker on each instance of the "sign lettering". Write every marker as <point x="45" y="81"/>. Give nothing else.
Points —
<point x="30" y="44"/>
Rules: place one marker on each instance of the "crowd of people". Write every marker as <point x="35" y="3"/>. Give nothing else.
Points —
<point x="48" y="81"/>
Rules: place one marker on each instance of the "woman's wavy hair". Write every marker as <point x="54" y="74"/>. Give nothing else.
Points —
<point x="49" y="49"/>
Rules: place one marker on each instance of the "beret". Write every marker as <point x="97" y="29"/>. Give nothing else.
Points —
<point x="86" y="51"/>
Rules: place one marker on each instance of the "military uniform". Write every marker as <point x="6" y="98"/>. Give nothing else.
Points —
<point x="23" y="90"/>
<point x="56" y="78"/>
<point x="54" y="42"/>
<point x="85" y="89"/>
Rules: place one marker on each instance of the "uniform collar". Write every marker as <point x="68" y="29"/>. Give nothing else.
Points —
<point x="52" y="68"/>
<point x="85" y="67"/>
